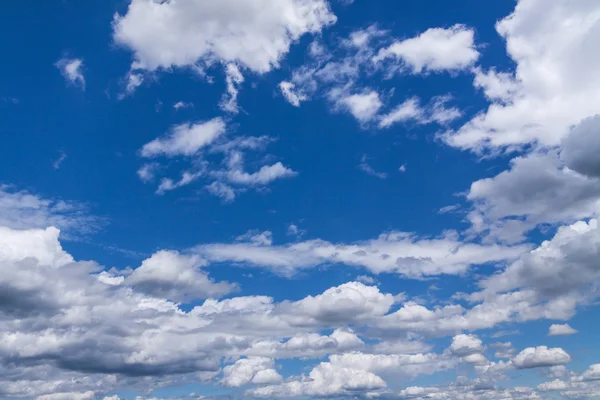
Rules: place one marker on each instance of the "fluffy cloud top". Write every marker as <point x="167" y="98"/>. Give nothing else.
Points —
<point x="541" y="356"/>
<point x="561" y="330"/>
<point x="255" y="34"/>
<point x="555" y="84"/>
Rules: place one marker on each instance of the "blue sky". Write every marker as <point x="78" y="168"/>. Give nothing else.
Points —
<point x="252" y="199"/>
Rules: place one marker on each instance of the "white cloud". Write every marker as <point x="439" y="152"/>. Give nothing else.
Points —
<point x="265" y="175"/>
<point x="352" y="301"/>
<point x="554" y="385"/>
<point x="537" y="189"/>
<point x="58" y="162"/>
<point x="554" y="85"/>
<point x="221" y="190"/>
<point x="411" y="110"/>
<point x="293" y="96"/>
<point x="592" y="373"/>
<point x="256" y="34"/>
<point x="181" y="105"/>
<point x="177" y="277"/>
<point x="147" y="172"/>
<point x="561" y="330"/>
<point x="68" y="396"/>
<point x="367" y="280"/>
<point x="541" y="356"/>
<point x="325" y="379"/>
<point x="258" y="238"/>
<point x="235" y="173"/>
<point x="185" y="139"/>
<point x="294" y="230"/>
<point x="167" y="184"/>
<point x="407" y="111"/>
<point x="257" y="370"/>
<point x="23" y="210"/>
<point x="71" y="70"/>
<point x="466" y="345"/>
<point x="434" y="50"/>
<point x="363" y="106"/>
<point x="234" y="79"/>
<point x="133" y="81"/>
<point x="559" y="270"/>
<point x="393" y="252"/>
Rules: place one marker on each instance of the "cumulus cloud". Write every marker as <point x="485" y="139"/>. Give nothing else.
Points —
<point x="168" y="274"/>
<point x="434" y="50"/>
<point x="553" y="86"/>
<point x="541" y="356"/>
<point x="561" y="330"/>
<point x="256" y="34"/>
<point x="72" y="70"/>
<point x="466" y="345"/>
<point x="562" y="270"/>
<point x="258" y="370"/>
<point x="537" y="189"/>
<point x="364" y="105"/>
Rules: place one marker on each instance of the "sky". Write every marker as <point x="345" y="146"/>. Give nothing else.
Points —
<point x="300" y="199"/>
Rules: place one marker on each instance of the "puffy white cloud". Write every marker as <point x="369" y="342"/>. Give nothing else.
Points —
<point x="265" y="175"/>
<point x="168" y="274"/>
<point x="554" y="85"/>
<point x="434" y="50"/>
<point x="541" y="356"/>
<point x="256" y="34"/>
<point x="352" y="301"/>
<point x="554" y="385"/>
<point x="465" y="345"/>
<point x="258" y="370"/>
<point x="364" y="105"/>
<point x="185" y="139"/>
<point x="561" y="330"/>
<point x="325" y="379"/>
<point x="71" y="70"/>
<point x="308" y="345"/>
<point x="394" y="252"/>
<point x="41" y="244"/>
<point x="592" y="373"/>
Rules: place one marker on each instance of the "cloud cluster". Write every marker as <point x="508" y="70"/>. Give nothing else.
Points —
<point x="194" y="141"/>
